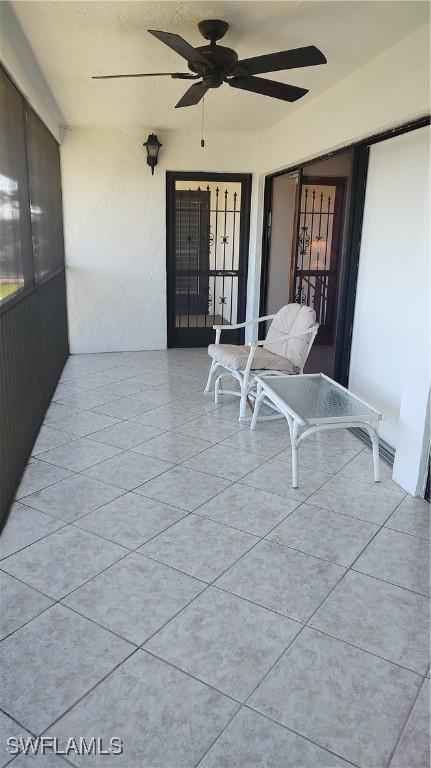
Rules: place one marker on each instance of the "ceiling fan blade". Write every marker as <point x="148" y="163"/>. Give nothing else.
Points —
<point x="179" y="75"/>
<point x="193" y="95"/>
<point x="267" y="88"/>
<point x="181" y="46"/>
<point x="307" y="56"/>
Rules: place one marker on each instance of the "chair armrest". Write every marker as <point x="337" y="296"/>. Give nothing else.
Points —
<point x="306" y="332"/>
<point x="243" y="325"/>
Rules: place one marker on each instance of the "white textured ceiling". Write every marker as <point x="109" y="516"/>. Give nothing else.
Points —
<point x="74" y="40"/>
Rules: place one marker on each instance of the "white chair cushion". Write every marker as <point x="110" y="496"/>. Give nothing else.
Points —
<point x="291" y="319"/>
<point x="235" y="356"/>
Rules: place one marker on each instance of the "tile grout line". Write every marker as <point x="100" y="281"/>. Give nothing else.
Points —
<point x="208" y="584"/>
<point x="115" y="399"/>
<point x="302" y="736"/>
<point x="36" y="616"/>
<point x="45" y="536"/>
<point x="303" y="551"/>
<point x="309" y="626"/>
<point x="192" y="676"/>
<point x="242" y="530"/>
<point x="122" y="419"/>
<point x="97" y="624"/>
<point x="138" y="371"/>
<point x="214" y="741"/>
<point x="262" y="538"/>
<point x="198" y="595"/>
<point x="311" y="503"/>
<point x="265" y="608"/>
<point x="90" y="690"/>
<point x="407" y="533"/>
<point x="317" y="629"/>
<point x="111" y="672"/>
<point x="194" y="512"/>
<point x="119" y="452"/>
<point x="259" y="538"/>
<point x="370" y="653"/>
<point x="125" y="450"/>
<point x="112" y="541"/>
<point x="212" y="583"/>
<point x="406" y="721"/>
<point x="73" y="474"/>
<point x="16" y="721"/>
<point x="57" y="601"/>
<point x="330" y="472"/>
<point x="391" y="583"/>
<point x="90" y="511"/>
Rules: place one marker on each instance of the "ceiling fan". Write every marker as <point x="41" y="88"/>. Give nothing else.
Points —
<point x="215" y="64"/>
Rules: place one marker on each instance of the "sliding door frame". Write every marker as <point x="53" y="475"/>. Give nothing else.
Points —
<point x="349" y="270"/>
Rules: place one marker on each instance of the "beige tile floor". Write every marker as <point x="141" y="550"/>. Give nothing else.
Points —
<point x="161" y="582"/>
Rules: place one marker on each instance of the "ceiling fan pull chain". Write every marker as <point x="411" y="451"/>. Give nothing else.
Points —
<point x="203" y="120"/>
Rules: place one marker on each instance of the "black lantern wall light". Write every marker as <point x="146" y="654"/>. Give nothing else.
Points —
<point x="152" y="145"/>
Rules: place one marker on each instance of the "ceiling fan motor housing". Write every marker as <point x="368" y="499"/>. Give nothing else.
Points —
<point x="221" y="60"/>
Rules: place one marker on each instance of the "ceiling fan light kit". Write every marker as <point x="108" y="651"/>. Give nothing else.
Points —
<point x="212" y="65"/>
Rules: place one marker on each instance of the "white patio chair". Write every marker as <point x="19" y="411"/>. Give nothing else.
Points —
<point x="284" y="350"/>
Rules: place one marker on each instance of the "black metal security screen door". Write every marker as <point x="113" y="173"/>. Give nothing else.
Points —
<point x="207" y="247"/>
<point x="318" y="244"/>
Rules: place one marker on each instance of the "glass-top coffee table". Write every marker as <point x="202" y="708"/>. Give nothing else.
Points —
<point x="312" y="402"/>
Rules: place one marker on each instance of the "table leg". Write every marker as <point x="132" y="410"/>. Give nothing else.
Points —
<point x="374" y="436"/>
<point x="294" y="441"/>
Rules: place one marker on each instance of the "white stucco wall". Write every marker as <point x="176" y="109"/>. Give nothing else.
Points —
<point x="388" y="90"/>
<point x="115" y="232"/>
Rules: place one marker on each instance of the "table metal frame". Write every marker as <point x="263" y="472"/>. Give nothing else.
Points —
<point x="300" y="428"/>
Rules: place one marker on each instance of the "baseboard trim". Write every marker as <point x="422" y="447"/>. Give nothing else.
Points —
<point x="387" y="453"/>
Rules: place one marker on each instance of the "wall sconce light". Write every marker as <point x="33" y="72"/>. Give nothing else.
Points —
<point x="152" y="145"/>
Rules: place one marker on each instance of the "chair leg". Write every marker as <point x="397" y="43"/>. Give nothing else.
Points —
<point x="218" y="388"/>
<point x="210" y="376"/>
<point x="243" y="400"/>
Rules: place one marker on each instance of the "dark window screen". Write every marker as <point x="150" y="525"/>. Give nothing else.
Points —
<point x="15" y="235"/>
<point x="45" y="198"/>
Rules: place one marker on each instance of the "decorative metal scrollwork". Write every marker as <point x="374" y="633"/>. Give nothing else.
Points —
<point x="303" y="240"/>
<point x="300" y="296"/>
